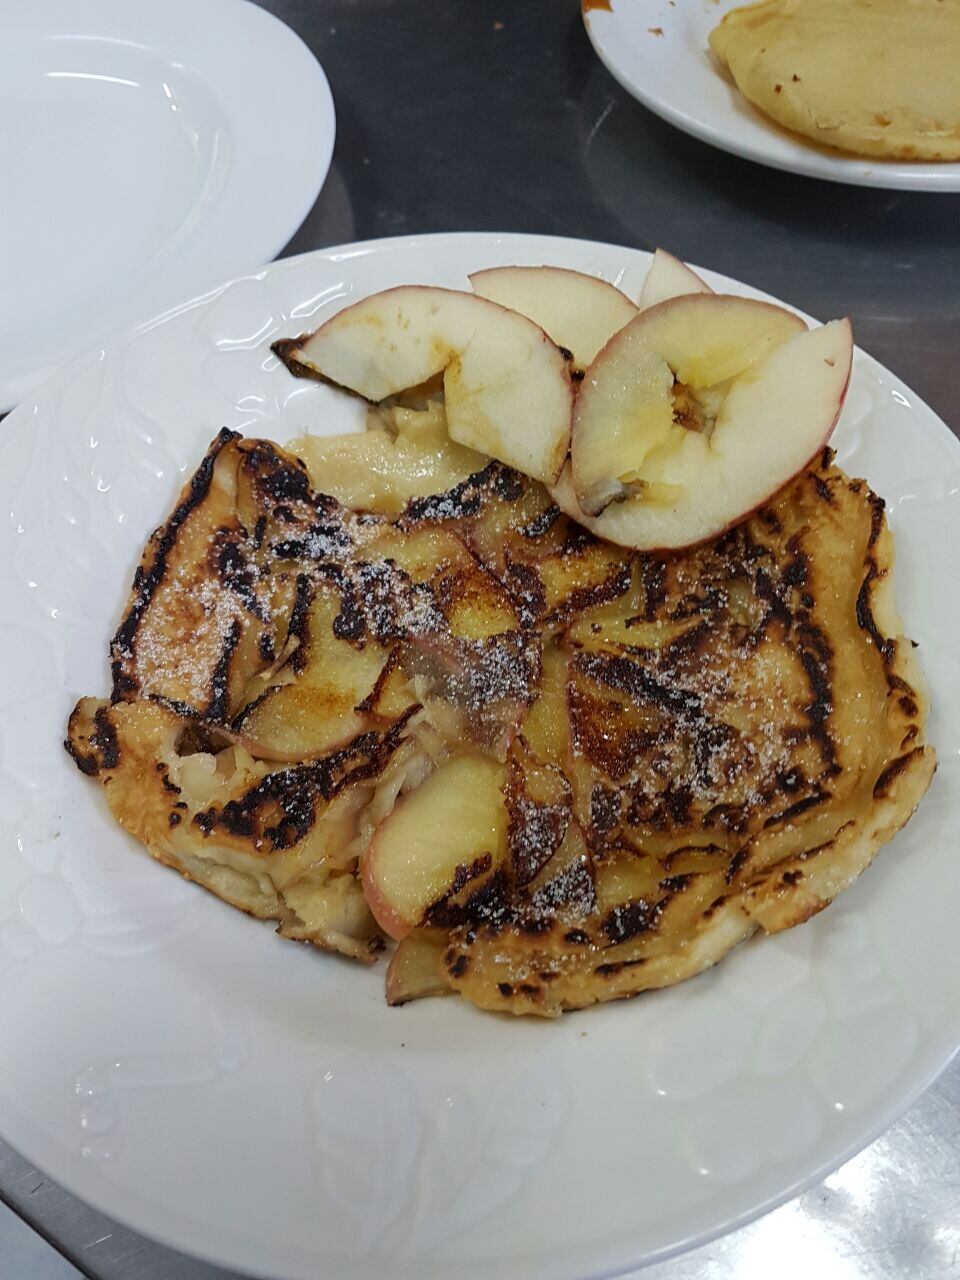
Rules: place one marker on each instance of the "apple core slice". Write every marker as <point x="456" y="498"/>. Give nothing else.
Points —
<point x="507" y="387"/>
<point x="668" y="277"/>
<point x="437" y="839"/>
<point x="656" y="388"/>
<point x="581" y="313"/>
<point x="773" y="419"/>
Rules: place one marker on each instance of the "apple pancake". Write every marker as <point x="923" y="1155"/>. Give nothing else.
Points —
<point x="872" y="77"/>
<point x="555" y="771"/>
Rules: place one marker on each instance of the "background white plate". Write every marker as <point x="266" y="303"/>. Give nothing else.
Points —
<point x="257" y="1103"/>
<point x="674" y="74"/>
<point x="148" y="151"/>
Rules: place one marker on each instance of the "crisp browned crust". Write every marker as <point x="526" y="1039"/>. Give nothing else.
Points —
<point x="697" y="745"/>
<point x="745" y="732"/>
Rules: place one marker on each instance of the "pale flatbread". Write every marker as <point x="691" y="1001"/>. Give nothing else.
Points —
<point x="874" y="77"/>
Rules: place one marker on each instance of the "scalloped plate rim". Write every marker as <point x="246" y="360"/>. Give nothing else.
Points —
<point x="184" y="1230"/>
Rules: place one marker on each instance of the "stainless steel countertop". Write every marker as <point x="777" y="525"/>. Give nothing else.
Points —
<point x="496" y="115"/>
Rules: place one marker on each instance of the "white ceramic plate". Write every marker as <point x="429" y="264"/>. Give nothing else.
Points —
<point x="148" y="151"/>
<point x="257" y="1103"/>
<point x="658" y="51"/>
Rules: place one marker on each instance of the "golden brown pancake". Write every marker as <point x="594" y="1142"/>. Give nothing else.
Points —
<point x="873" y="77"/>
<point x="694" y="746"/>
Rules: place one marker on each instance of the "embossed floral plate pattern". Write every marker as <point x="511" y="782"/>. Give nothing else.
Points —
<point x="257" y="1103"/>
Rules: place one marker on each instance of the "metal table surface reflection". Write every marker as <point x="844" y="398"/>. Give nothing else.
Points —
<point x="496" y="115"/>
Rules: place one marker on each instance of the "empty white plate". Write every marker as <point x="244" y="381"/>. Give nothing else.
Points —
<point x="147" y="151"/>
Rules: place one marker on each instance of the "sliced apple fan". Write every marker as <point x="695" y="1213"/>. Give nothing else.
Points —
<point x="507" y="389"/>
<point x="688" y="413"/>
<point x="555" y="771"/>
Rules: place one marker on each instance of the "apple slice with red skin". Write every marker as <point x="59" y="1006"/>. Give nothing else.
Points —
<point x="507" y="387"/>
<point x="581" y="313"/>
<point x="773" y="419"/>
<point x="449" y="831"/>
<point x="668" y="277"/>
<point x="658" y="381"/>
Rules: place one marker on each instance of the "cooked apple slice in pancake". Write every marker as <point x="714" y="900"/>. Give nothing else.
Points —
<point x="414" y="970"/>
<point x="382" y="469"/>
<point x="506" y="385"/>
<point x="474" y="604"/>
<point x="546" y="724"/>
<point x="425" y="553"/>
<point x="539" y="806"/>
<point x="300" y="721"/>
<point x="325" y="695"/>
<point x="446" y="835"/>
